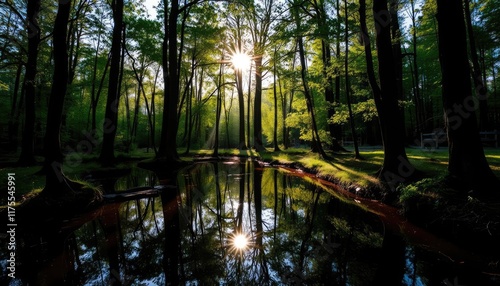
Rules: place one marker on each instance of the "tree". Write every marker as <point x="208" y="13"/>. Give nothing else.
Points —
<point x="56" y="183"/>
<point x="27" y="156"/>
<point x="328" y="74"/>
<point x="171" y="77"/>
<point x="316" y="141"/>
<point x="396" y="168"/>
<point x="260" y="23"/>
<point x="467" y="165"/>
<point x="107" y="156"/>
<point x="236" y="21"/>
<point x="347" y="84"/>
<point x="479" y="83"/>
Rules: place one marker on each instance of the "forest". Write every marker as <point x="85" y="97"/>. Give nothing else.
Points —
<point x="243" y="75"/>
<point x="391" y="100"/>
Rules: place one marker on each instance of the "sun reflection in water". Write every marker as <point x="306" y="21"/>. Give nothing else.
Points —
<point x="239" y="242"/>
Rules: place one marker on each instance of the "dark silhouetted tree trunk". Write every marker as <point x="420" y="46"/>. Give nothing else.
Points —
<point x="479" y="82"/>
<point x="396" y="167"/>
<point x="218" y="110"/>
<point x="15" y="109"/>
<point x="56" y="183"/>
<point x="168" y="140"/>
<point x="27" y="156"/>
<point x="419" y="105"/>
<point x="111" y="115"/>
<point x="467" y="163"/>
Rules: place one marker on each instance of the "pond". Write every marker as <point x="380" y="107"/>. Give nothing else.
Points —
<point x="238" y="223"/>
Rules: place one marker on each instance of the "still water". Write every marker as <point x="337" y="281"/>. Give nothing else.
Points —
<point x="237" y="223"/>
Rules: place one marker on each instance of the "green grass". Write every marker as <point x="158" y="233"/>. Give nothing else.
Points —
<point x="345" y="168"/>
<point x="342" y="167"/>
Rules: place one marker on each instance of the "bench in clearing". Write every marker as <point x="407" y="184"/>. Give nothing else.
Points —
<point x="350" y="142"/>
<point x="489" y="137"/>
<point x="432" y="139"/>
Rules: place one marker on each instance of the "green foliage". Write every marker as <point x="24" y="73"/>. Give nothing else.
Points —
<point x="3" y="86"/>
<point x="428" y="187"/>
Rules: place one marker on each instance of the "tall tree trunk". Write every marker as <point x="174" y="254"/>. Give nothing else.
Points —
<point x="249" y="108"/>
<point x="283" y="99"/>
<point x="479" y="82"/>
<point x="467" y="163"/>
<point x="347" y="85"/>
<point x="275" y="93"/>
<point x="27" y="156"/>
<point x="239" y="87"/>
<point x="419" y="105"/>
<point x="337" y="127"/>
<point x="260" y="24"/>
<point x="218" y="110"/>
<point x="56" y="183"/>
<point x="326" y="57"/>
<point x="396" y="168"/>
<point x="107" y="156"/>
<point x="168" y="141"/>
<point x="316" y="141"/>
<point x="13" y="128"/>
<point x="398" y="58"/>
<point x="257" y="106"/>
<point x="93" y="97"/>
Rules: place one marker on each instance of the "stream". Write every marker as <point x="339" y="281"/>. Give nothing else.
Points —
<point x="239" y="223"/>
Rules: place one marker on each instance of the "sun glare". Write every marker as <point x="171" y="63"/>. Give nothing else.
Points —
<point x="239" y="242"/>
<point x="240" y="61"/>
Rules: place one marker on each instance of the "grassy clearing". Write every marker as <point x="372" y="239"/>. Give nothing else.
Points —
<point x="345" y="168"/>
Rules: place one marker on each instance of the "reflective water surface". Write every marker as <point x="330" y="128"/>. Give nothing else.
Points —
<point x="233" y="223"/>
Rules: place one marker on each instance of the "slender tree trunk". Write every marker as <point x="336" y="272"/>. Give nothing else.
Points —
<point x="227" y="113"/>
<point x="27" y="156"/>
<point x="218" y="110"/>
<point x="479" y="82"/>
<point x="337" y="127"/>
<point x="110" y="126"/>
<point x="398" y="58"/>
<point x="467" y="163"/>
<point x="13" y="128"/>
<point x="257" y="107"/>
<point x="241" y="105"/>
<point x="316" y="141"/>
<point x="283" y="99"/>
<point x="419" y="104"/>
<point x="93" y="97"/>
<point x="275" y="93"/>
<point x="249" y="109"/>
<point x="347" y="85"/>
<point x="239" y="87"/>
<point x="326" y="57"/>
<point x="56" y="183"/>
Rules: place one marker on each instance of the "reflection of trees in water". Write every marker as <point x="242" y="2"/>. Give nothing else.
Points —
<point x="298" y="235"/>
